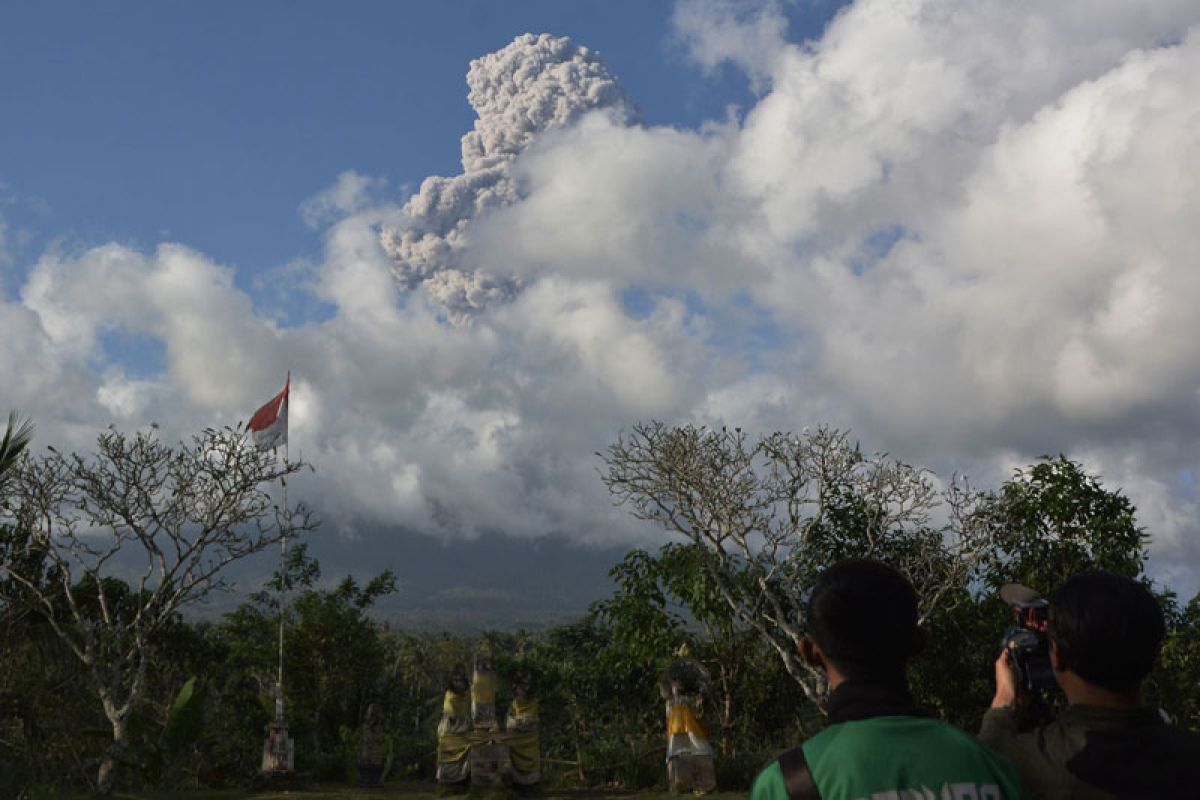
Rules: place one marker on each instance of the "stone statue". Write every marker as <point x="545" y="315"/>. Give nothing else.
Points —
<point x="372" y="748"/>
<point x="483" y="694"/>
<point x="522" y="728"/>
<point x="689" y="748"/>
<point x="472" y="746"/>
<point x="453" y="766"/>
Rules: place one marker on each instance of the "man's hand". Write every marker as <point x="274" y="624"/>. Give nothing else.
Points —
<point x="1006" y="682"/>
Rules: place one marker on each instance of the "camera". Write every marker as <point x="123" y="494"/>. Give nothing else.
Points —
<point x="1028" y="642"/>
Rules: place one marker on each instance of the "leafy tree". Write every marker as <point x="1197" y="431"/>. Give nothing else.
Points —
<point x="1174" y="683"/>
<point x="420" y="664"/>
<point x="641" y="613"/>
<point x="335" y="658"/>
<point x="1050" y="520"/>
<point x="16" y="635"/>
<point x="644" y="613"/>
<point x="1053" y="519"/>
<point x="599" y="705"/>
<point x="953" y="675"/>
<point x="48" y="721"/>
<point x="767" y="515"/>
<point x="176" y="516"/>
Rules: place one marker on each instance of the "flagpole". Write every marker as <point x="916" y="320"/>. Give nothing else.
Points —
<point x="266" y="425"/>
<point x="283" y="558"/>
<point x="283" y="580"/>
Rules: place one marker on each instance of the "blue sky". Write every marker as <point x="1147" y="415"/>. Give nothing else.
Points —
<point x="959" y="230"/>
<point x="209" y="123"/>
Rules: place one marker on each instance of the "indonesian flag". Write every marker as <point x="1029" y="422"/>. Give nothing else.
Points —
<point x="268" y="426"/>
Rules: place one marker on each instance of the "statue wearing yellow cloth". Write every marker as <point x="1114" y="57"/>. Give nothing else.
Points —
<point x="689" y="748"/>
<point x="484" y="682"/>
<point x="453" y="730"/>
<point x="521" y="728"/>
<point x="469" y="731"/>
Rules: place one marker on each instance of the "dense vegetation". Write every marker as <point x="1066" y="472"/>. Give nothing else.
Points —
<point x="200" y="717"/>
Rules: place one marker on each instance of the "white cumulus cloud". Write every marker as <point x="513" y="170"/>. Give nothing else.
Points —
<point x="966" y="231"/>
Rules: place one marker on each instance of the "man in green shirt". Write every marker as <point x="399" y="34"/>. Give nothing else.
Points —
<point x="1105" y="632"/>
<point x="862" y="630"/>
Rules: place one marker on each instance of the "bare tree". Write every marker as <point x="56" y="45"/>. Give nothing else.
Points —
<point x="109" y="547"/>
<point x="773" y="512"/>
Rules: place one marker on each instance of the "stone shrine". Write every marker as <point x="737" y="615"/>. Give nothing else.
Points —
<point x="471" y="744"/>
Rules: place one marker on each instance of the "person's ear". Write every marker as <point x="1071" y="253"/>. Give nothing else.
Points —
<point x="1057" y="662"/>
<point x="810" y="651"/>
<point x="920" y="640"/>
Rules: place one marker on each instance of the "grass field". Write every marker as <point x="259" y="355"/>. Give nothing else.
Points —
<point x="407" y="791"/>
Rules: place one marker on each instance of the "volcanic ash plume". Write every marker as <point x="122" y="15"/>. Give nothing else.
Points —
<point x="534" y="84"/>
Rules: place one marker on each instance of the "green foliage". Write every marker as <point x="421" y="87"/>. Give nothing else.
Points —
<point x="336" y="661"/>
<point x="334" y="658"/>
<point x="671" y="599"/>
<point x="298" y="570"/>
<point x="1051" y="520"/>
<point x="186" y="718"/>
<point x="639" y="612"/>
<point x="18" y="434"/>
<point x="207" y="700"/>
<point x="765" y="516"/>
<point x="47" y="715"/>
<point x="1175" y="683"/>
<point x="1055" y="520"/>
<point x="181" y="513"/>
<point x="952" y="677"/>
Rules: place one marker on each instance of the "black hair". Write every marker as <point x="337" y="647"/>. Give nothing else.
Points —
<point x="863" y="615"/>
<point x="528" y="675"/>
<point x="1108" y="629"/>
<point x="687" y="673"/>
<point x="458" y="675"/>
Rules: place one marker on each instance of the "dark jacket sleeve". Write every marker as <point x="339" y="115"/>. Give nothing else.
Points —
<point x="999" y="729"/>
<point x="1043" y="778"/>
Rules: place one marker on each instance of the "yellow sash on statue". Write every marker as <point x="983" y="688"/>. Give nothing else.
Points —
<point x="522" y="710"/>
<point x="453" y="747"/>
<point x="683" y="720"/>
<point x="522" y="736"/>
<point x="456" y="704"/>
<point x="483" y="687"/>
<point x="453" y="744"/>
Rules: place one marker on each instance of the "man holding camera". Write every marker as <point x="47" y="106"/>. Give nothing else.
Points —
<point x="862" y="630"/>
<point x="1105" y="632"/>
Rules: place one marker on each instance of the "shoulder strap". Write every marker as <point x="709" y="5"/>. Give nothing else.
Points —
<point x="797" y="777"/>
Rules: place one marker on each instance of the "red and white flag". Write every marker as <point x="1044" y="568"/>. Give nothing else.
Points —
<point x="268" y="426"/>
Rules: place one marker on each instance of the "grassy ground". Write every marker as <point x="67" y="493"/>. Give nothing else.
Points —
<point x="410" y="791"/>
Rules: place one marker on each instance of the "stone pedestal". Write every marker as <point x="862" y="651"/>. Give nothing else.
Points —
<point x="693" y="774"/>
<point x="279" y="751"/>
<point x="491" y="765"/>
